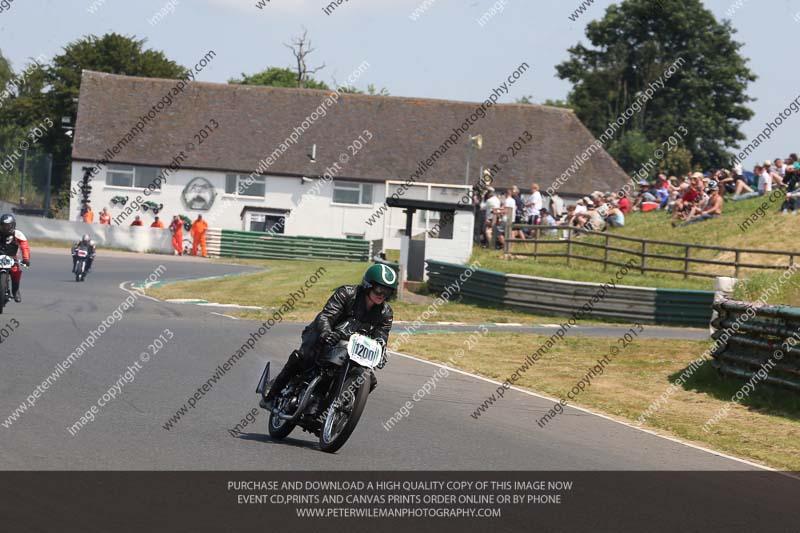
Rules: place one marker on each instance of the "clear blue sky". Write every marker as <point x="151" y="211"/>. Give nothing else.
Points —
<point x="444" y="54"/>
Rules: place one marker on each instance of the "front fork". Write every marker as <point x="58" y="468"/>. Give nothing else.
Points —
<point x="340" y="384"/>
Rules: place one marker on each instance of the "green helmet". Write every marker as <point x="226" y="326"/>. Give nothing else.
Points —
<point x="380" y="275"/>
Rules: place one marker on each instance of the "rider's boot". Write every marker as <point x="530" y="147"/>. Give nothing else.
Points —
<point x="15" y="291"/>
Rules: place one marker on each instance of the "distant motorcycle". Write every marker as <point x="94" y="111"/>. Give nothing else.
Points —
<point x="6" y="264"/>
<point x="81" y="255"/>
<point x="328" y="399"/>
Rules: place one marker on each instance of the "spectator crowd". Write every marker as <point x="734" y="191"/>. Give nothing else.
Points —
<point x="693" y="198"/>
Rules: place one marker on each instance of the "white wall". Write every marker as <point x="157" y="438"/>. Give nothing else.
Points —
<point x="136" y="239"/>
<point x="459" y="248"/>
<point x="314" y="215"/>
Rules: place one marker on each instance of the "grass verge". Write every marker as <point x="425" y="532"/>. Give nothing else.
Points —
<point x="773" y="231"/>
<point x="765" y="427"/>
<point x="271" y="288"/>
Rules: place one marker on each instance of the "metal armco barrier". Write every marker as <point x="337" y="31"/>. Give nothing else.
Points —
<point x="748" y="342"/>
<point x="562" y="298"/>
<point x="257" y="245"/>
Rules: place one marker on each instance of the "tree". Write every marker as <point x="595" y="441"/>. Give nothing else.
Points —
<point x="372" y="90"/>
<point x="632" y="150"/>
<point x="14" y="123"/>
<point x="277" y="77"/>
<point x="633" y="45"/>
<point x="51" y="91"/>
<point x="301" y="48"/>
<point x="677" y="162"/>
<point x="557" y="103"/>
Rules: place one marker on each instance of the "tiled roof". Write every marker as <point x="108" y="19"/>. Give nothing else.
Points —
<point x="254" y="121"/>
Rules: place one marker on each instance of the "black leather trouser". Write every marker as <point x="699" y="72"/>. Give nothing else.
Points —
<point x="299" y="361"/>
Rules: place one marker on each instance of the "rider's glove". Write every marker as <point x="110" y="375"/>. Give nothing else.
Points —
<point x="26" y="262"/>
<point x="332" y="338"/>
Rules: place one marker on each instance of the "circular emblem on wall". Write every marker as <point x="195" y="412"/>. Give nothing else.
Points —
<point x="199" y="194"/>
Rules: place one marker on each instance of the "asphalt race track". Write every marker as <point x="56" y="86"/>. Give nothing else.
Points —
<point x="57" y="314"/>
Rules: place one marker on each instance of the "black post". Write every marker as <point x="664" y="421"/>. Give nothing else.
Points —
<point x="22" y="179"/>
<point x="46" y="205"/>
<point x="409" y="219"/>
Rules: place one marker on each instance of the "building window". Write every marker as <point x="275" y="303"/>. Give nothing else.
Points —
<point x="239" y="185"/>
<point x="144" y="176"/>
<point x="274" y="223"/>
<point x="131" y="176"/>
<point x="352" y="193"/>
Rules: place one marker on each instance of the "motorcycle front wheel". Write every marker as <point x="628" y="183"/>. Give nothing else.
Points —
<point x="345" y="412"/>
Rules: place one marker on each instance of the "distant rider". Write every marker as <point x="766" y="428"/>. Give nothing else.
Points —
<point x="87" y="244"/>
<point x="11" y="241"/>
<point x="365" y="303"/>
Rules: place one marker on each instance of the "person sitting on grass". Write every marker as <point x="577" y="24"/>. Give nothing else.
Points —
<point x="777" y="172"/>
<point x="569" y="218"/>
<point x="662" y="191"/>
<point x="764" y="185"/>
<point x="645" y="195"/>
<point x="591" y="220"/>
<point x="726" y="181"/>
<point x="624" y="204"/>
<point x="546" y="219"/>
<point x="713" y="208"/>
<point x="615" y="218"/>
<point x="682" y="208"/>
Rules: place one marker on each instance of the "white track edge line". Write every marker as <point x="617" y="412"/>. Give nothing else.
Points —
<point x="537" y="395"/>
<point x="138" y="294"/>
<point x="222" y="314"/>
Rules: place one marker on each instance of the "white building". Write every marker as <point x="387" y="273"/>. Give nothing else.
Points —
<point x="307" y="162"/>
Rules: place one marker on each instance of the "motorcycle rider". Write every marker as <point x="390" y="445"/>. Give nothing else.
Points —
<point x="365" y="303"/>
<point x="87" y="243"/>
<point x="11" y="241"/>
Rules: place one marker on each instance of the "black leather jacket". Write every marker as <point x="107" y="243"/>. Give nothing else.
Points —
<point x="348" y="301"/>
<point x="91" y="248"/>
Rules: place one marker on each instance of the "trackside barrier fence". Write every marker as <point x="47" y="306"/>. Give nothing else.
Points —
<point x="257" y="245"/>
<point x="571" y="243"/>
<point x="546" y="296"/>
<point x="759" y="342"/>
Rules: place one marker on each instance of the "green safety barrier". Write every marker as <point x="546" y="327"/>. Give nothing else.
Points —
<point x="758" y="342"/>
<point x="258" y="245"/>
<point x="563" y="298"/>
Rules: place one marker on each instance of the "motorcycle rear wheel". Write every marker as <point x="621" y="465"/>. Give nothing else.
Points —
<point x="279" y="428"/>
<point x="342" y="419"/>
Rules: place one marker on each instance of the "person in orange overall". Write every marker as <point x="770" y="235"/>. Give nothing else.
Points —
<point x="137" y="221"/>
<point x="199" y="235"/>
<point x="88" y="216"/>
<point x="176" y="227"/>
<point x="157" y="224"/>
<point x="105" y="217"/>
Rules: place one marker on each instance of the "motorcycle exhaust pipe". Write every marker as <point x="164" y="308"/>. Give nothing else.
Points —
<point x="303" y="402"/>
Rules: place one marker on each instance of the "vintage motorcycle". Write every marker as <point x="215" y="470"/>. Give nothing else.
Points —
<point x="328" y="399"/>
<point x="81" y="255"/>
